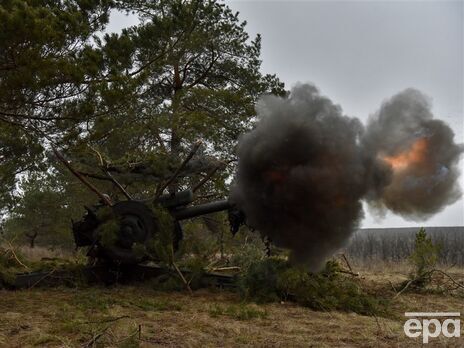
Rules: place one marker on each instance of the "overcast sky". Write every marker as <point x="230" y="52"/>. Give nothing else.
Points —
<point x="360" y="53"/>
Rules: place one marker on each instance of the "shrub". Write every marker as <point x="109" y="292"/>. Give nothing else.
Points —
<point x="247" y="254"/>
<point x="12" y="264"/>
<point x="423" y="259"/>
<point x="276" y="279"/>
<point x="260" y="281"/>
<point x="9" y="266"/>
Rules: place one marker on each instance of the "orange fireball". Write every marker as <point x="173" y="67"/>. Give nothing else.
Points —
<point x="414" y="155"/>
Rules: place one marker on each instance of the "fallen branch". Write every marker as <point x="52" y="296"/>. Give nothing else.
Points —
<point x="428" y="274"/>
<point x="41" y="279"/>
<point x="459" y="285"/>
<point x="95" y="338"/>
<point x="393" y="287"/>
<point x="136" y="332"/>
<point x="349" y="272"/>
<point x="187" y="285"/>
<point x="11" y="250"/>
<point x="347" y="263"/>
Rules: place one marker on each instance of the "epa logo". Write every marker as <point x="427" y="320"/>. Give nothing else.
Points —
<point x="432" y="327"/>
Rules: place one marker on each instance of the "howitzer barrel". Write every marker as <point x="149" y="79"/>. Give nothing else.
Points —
<point x="176" y="200"/>
<point x="201" y="209"/>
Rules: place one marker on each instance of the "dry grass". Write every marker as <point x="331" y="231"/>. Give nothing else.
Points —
<point x="401" y="268"/>
<point x="111" y="317"/>
<point x="38" y="253"/>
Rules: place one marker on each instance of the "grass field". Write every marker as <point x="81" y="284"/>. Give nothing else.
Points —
<point x="138" y="316"/>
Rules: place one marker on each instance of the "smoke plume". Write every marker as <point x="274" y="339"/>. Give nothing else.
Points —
<point x="420" y="153"/>
<point x="305" y="168"/>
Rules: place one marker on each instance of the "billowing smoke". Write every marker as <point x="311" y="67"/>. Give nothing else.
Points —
<point x="301" y="174"/>
<point x="421" y="153"/>
<point x="305" y="168"/>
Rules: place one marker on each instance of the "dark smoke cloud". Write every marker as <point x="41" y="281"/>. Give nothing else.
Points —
<point x="305" y="168"/>
<point x="430" y="180"/>
<point x="301" y="175"/>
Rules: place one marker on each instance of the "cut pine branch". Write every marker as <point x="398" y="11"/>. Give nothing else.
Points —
<point x="192" y="152"/>
<point x="103" y="167"/>
<point x="104" y="198"/>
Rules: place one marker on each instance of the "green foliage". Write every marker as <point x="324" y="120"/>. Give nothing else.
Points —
<point x="196" y="268"/>
<point x="109" y="227"/>
<point x="248" y="252"/>
<point x="167" y="282"/>
<point x="423" y="258"/>
<point x="18" y="152"/>
<point x="8" y="267"/>
<point x="275" y="279"/>
<point x="199" y="243"/>
<point x="13" y="261"/>
<point x="46" y="57"/>
<point x="141" y="97"/>
<point x="41" y="215"/>
<point x="161" y="248"/>
<point x="261" y="279"/>
<point x="108" y="232"/>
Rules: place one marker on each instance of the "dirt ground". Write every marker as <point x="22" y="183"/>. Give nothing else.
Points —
<point x="138" y="316"/>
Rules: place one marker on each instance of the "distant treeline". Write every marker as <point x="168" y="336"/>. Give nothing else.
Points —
<point x="396" y="244"/>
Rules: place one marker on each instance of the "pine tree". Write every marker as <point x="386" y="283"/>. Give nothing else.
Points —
<point x="132" y="102"/>
<point x="139" y="98"/>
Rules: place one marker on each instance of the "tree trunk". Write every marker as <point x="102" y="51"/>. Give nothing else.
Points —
<point x="175" y="139"/>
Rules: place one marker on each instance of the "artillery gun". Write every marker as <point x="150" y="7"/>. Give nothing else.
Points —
<point x="138" y="223"/>
<point x="134" y="225"/>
